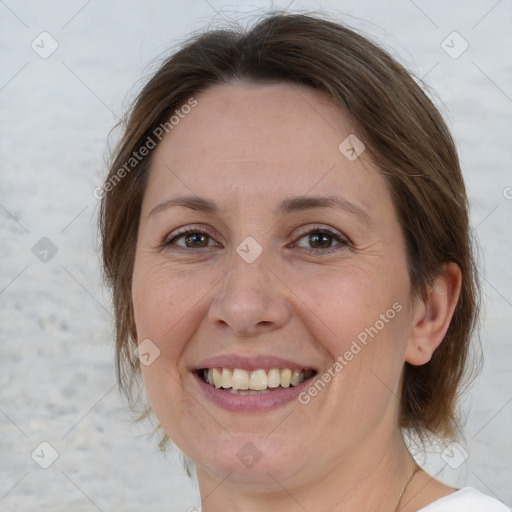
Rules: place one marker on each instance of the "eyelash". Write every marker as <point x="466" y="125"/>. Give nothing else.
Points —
<point x="343" y="242"/>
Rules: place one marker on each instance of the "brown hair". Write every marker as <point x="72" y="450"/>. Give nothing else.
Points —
<point x="403" y="132"/>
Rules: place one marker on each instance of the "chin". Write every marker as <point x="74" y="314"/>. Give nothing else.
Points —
<point x="254" y="462"/>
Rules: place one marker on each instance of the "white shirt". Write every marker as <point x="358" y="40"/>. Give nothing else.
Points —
<point x="467" y="499"/>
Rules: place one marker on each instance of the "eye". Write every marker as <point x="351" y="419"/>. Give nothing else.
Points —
<point x="322" y="238"/>
<point x="193" y="238"/>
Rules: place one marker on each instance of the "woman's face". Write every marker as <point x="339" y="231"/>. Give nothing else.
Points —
<point x="272" y="277"/>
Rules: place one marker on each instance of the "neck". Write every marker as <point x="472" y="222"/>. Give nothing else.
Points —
<point x="371" y="479"/>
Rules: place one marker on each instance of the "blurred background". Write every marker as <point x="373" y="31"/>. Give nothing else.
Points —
<point x="68" y="71"/>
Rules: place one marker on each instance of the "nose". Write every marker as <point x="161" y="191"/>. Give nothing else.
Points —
<point x="251" y="301"/>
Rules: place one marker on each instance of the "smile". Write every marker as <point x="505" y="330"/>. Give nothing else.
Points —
<point x="251" y="384"/>
<point x="242" y="382"/>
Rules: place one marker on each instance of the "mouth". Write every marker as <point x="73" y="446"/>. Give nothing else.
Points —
<point x="251" y="384"/>
<point x="241" y="382"/>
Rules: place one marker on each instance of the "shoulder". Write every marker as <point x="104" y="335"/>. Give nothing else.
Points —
<point x="467" y="499"/>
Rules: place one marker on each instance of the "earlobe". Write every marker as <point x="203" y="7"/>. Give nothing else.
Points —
<point x="432" y="317"/>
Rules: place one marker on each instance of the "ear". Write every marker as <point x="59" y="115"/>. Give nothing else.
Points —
<point x="432" y="317"/>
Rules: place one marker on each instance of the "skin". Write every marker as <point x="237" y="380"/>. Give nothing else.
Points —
<point x="247" y="147"/>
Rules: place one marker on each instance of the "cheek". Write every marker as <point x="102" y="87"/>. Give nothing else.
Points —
<point x="163" y="300"/>
<point x="152" y="305"/>
<point x="353" y="303"/>
<point x="160" y="312"/>
<point x="169" y="304"/>
<point x="156" y="313"/>
<point x="363" y="318"/>
<point x="165" y="393"/>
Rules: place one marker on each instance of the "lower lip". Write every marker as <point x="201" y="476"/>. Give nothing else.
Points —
<point x="250" y="403"/>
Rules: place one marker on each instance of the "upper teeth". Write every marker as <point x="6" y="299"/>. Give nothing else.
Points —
<point x="257" y="379"/>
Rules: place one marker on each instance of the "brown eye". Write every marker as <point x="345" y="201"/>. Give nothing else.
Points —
<point x="190" y="238"/>
<point x="196" y="240"/>
<point x="321" y="240"/>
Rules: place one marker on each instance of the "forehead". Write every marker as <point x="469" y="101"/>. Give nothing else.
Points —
<point x="259" y="122"/>
<point x="262" y="140"/>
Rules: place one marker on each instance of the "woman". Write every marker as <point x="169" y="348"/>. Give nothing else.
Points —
<point x="285" y="231"/>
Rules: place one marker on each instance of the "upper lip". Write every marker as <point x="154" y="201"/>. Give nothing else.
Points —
<point x="265" y="362"/>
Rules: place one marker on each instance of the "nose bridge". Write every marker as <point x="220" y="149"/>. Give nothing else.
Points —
<point x="250" y="274"/>
<point x="251" y="298"/>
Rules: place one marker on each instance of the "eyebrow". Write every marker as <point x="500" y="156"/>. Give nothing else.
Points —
<point x="287" y="206"/>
